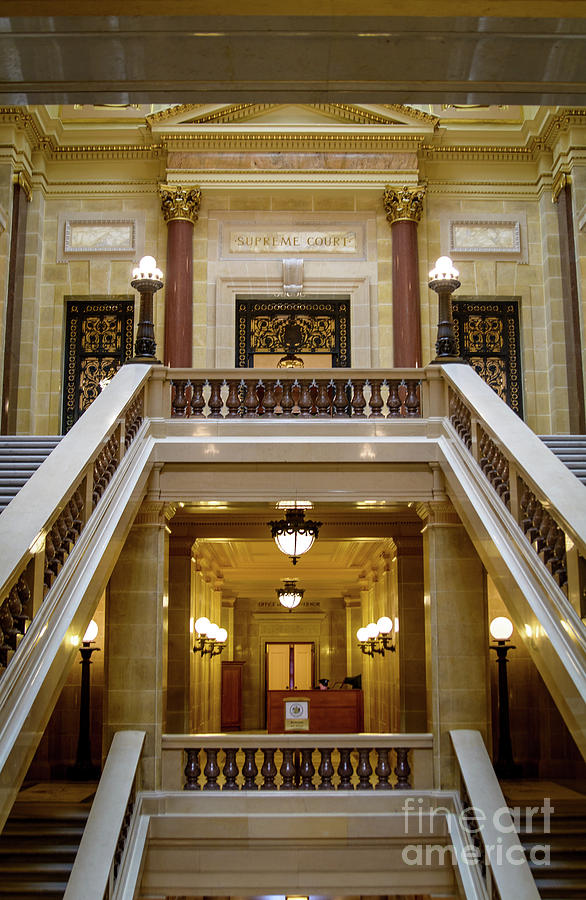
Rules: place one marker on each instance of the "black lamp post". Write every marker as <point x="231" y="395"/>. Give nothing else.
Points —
<point x="147" y="279"/>
<point x="444" y="281"/>
<point x="505" y="766"/>
<point x="84" y="769"/>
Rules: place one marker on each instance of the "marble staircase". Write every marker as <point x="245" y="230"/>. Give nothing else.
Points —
<point x="571" y="450"/>
<point x="20" y="457"/>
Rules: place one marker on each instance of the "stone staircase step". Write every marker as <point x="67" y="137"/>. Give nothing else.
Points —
<point x="571" y="450"/>
<point x="20" y="457"/>
<point x="32" y="890"/>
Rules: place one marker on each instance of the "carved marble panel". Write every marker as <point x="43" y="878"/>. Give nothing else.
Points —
<point x="85" y="235"/>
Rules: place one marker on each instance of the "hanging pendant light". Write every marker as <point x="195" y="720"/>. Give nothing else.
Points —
<point x="294" y="535"/>
<point x="290" y="595"/>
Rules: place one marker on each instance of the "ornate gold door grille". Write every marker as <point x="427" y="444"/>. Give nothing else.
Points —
<point x="98" y="339"/>
<point x="487" y="334"/>
<point x="325" y="324"/>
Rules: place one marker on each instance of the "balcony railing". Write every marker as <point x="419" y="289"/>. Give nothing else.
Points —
<point x="305" y="762"/>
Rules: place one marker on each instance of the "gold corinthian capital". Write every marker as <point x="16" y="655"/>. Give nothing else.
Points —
<point x="405" y="204"/>
<point x="180" y="202"/>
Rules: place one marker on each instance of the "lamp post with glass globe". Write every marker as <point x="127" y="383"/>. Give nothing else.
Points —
<point x="444" y="281"/>
<point x="84" y="769"/>
<point x="147" y="279"/>
<point x="501" y="630"/>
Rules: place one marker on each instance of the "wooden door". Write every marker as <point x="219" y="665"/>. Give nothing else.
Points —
<point x="278" y="667"/>
<point x="302" y="667"/>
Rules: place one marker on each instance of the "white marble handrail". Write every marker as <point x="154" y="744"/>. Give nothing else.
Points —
<point x="93" y="873"/>
<point x="506" y="870"/>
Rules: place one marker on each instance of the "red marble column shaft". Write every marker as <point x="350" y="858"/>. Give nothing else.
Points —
<point x="179" y="295"/>
<point x="406" y="303"/>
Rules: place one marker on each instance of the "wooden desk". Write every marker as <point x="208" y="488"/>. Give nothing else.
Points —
<point x="330" y="712"/>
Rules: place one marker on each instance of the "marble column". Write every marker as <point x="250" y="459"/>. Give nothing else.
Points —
<point x="404" y="208"/>
<point x="136" y="624"/>
<point x="180" y="207"/>
<point x="456" y="635"/>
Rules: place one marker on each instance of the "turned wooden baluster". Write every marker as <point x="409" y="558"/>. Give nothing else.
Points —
<point x="179" y="405"/>
<point x="230" y="770"/>
<point x="345" y="769"/>
<point x="529" y="510"/>
<point x="340" y="401"/>
<point x="402" y="769"/>
<point x="287" y="769"/>
<point x="197" y="400"/>
<point x="192" y="771"/>
<point x="383" y="770"/>
<point x="307" y="770"/>
<point x="548" y="531"/>
<point x="233" y="399"/>
<point x="268" y="770"/>
<point x="412" y="398"/>
<point x="394" y="401"/>
<point x="537" y="520"/>
<point x="364" y="770"/>
<point x="326" y="770"/>
<point x="305" y="401"/>
<point x="287" y="402"/>
<point x="376" y="400"/>
<point x="215" y="402"/>
<point x="358" y="402"/>
<point x="250" y="398"/>
<point x="270" y="400"/>
<point x="322" y="400"/>
<point x="4" y="649"/>
<point x="26" y="598"/>
<point x="212" y="770"/>
<point x="15" y="607"/>
<point x="250" y="770"/>
<point x="7" y="625"/>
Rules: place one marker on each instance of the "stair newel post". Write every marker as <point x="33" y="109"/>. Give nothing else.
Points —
<point x="192" y="770"/>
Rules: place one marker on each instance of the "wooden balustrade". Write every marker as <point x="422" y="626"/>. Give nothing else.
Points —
<point x="27" y="591"/>
<point x="321" y="396"/>
<point x="293" y="762"/>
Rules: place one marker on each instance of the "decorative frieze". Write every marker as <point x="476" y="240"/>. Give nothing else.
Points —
<point x="179" y="202"/>
<point x="405" y="204"/>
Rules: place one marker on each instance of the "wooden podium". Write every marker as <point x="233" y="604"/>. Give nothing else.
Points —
<point x="330" y="712"/>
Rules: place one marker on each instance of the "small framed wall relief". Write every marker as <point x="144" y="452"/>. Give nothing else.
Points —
<point x="86" y="235"/>
<point x="500" y="237"/>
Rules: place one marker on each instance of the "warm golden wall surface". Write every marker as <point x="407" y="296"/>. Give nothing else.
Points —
<point x="461" y="185"/>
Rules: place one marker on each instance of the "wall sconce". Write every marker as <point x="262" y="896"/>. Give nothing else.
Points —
<point x="290" y="595"/>
<point x="211" y="639"/>
<point x="294" y="535"/>
<point x="501" y="630"/>
<point x="376" y="637"/>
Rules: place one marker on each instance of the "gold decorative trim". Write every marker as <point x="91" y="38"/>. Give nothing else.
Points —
<point x="165" y="114"/>
<point x="417" y="114"/>
<point x="178" y="202"/>
<point x="562" y="180"/>
<point x="404" y="205"/>
<point x="23" y="180"/>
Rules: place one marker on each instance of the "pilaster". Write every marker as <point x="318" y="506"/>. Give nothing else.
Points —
<point x="456" y="635"/>
<point x="136" y="623"/>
